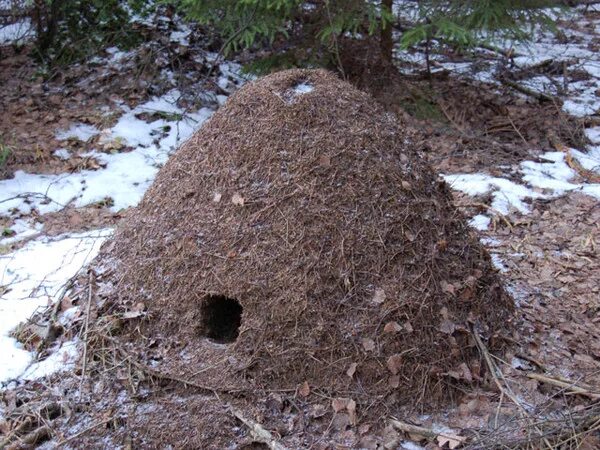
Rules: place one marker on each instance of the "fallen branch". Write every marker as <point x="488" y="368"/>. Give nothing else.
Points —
<point x="452" y="440"/>
<point x="163" y="375"/>
<point x="530" y="92"/>
<point x="497" y="376"/>
<point x="23" y="427"/>
<point x="82" y="432"/>
<point x="258" y="432"/>
<point x="567" y="385"/>
<point x="36" y="436"/>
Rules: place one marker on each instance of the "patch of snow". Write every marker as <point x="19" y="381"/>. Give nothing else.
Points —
<point x="589" y="160"/>
<point x="62" y="153"/>
<point x="555" y="174"/>
<point x="593" y="134"/>
<point x="552" y="176"/>
<point x="303" y="88"/>
<point x="22" y="229"/>
<point x="505" y="193"/>
<point x="81" y="131"/>
<point x="16" y="33"/>
<point x="125" y="177"/>
<point x="498" y="263"/>
<point x="62" y="359"/>
<point x="490" y="242"/>
<point x="480" y="222"/>
<point x="409" y="445"/>
<point x="181" y="37"/>
<point x="580" y="108"/>
<point x="115" y="56"/>
<point x="221" y="99"/>
<point x="33" y="278"/>
<point x="223" y="83"/>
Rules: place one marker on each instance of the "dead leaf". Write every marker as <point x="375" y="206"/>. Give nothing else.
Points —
<point x="325" y="161"/>
<point x="66" y="303"/>
<point x="408" y="327"/>
<point x="217" y="197"/>
<point x="392" y="327"/>
<point x="338" y="404"/>
<point x="368" y="344"/>
<point x="453" y="441"/>
<point x="304" y="389"/>
<point x="379" y="296"/>
<point x="237" y="200"/>
<point x="447" y="287"/>
<point x="394" y="381"/>
<point x="364" y="428"/>
<point x="138" y="310"/>
<point x="317" y="411"/>
<point x="351" y="408"/>
<point x="394" y="363"/>
<point x="406" y="185"/>
<point x="351" y="370"/>
<point x="447" y="326"/>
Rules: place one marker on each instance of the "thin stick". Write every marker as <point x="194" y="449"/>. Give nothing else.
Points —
<point x="570" y="386"/>
<point x="497" y="375"/>
<point x="257" y="431"/>
<point x="85" y="333"/>
<point x="422" y="431"/>
<point x="82" y="432"/>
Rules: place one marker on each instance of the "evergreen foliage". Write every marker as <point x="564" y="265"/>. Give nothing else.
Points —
<point x="246" y="23"/>
<point x="69" y="30"/>
<point x="466" y="23"/>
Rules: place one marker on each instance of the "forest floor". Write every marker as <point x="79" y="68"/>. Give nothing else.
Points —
<point x="517" y="136"/>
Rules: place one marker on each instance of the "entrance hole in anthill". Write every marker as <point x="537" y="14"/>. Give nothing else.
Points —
<point x="221" y="318"/>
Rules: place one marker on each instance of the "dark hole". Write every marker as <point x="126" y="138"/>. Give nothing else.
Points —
<point x="221" y="318"/>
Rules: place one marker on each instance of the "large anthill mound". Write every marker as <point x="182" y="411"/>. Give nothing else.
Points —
<point x="300" y="237"/>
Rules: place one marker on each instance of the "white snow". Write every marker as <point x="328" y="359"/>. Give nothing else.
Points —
<point x="547" y="179"/>
<point x="303" y="88"/>
<point x="32" y="278"/>
<point x="15" y="32"/>
<point x="409" y="445"/>
<point x="62" y="359"/>
<point x="506" y="194"/>
<point x="181" y="36"/>
<point x="498" y="263"/>
<point x="22" y="229"/>
<point x="593" y="134"/>
<point x="81" y="131"/>
<point x="125" y="177"/>
<point x="480" y="222"/>
<point x="62" y="153"/>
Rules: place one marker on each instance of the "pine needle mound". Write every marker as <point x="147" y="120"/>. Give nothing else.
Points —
<point x="299" y="239"/>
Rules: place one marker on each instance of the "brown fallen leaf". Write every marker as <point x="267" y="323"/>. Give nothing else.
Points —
<point x="392" y="327"/>
<point x="339" y="404"/>
<point x="237" y="200"/>
<point x="368" y="344"/>
<point x="138" y="310"/>
<point x="394" y="363"/>
<point x="453" y="441"/>
<point x="304" y="389"/>
<point x="351" y="408"/>
<point x="379" y="296"/>
<point x="447" y="327"/>
<point x="351" y="370"/>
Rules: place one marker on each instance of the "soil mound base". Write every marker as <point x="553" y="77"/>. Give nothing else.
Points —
<point x="299" y="239"/>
